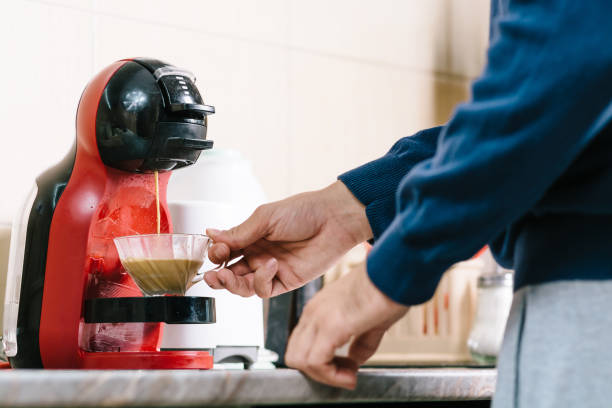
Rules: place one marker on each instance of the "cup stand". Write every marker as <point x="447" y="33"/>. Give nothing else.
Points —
<point x="162" y="309"/>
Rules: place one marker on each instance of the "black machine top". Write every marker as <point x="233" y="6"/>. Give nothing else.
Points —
<point x="151" y="116"/>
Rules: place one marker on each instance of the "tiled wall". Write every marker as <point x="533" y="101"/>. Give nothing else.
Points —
<point x="304" y="88"/>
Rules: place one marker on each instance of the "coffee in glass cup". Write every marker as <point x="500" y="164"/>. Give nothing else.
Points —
<point x="164" y="264"/>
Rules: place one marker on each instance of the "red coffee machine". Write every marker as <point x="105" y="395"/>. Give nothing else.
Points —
<point x="69" y="302"/>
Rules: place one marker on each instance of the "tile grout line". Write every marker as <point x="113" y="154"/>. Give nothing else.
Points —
<point x="436" y="74"/>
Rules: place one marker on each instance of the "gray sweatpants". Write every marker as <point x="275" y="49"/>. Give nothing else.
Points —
<point x="557" y="350"/>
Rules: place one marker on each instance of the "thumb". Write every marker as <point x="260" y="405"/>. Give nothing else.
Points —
<point x="243" y="235"/>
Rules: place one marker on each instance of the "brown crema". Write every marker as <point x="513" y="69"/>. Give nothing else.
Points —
<point x="157" y="277"/>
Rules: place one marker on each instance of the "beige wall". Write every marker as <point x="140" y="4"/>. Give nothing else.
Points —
<point x="305" y="89"/>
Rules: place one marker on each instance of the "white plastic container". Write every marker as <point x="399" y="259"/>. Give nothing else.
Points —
<point x="14" y="273"/>
<point x="5" y="236"/>
<point x="219" y="191"/>
<point x="494" y="302"/>
<point x="239" y="320"/>
<point x="221" y="176"/>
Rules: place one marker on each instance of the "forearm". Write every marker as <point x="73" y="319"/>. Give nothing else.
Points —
<point x="344" y="209"/>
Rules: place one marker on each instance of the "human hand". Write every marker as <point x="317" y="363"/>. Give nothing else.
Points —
<point x="349" y="309"/>
<point x="288" y="243"/>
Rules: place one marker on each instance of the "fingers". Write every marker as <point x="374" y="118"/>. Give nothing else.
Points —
<point x="311" y="351"/>
<point x="345" y="372"/>
<point x="241" y="280"/>
<point x="240" y="268"/>
<point x="347" y="307"/>
<point x="296" y="353"/>
<point x="218" y="253"/>
<point x="312" y="346"/>
<point x="239" y="285"/>
<point x="365" y="345"/>
<point x="340" y="372"/>
<point x="251" y="230"/>
<point x="322" y="364"/>
<point x="325" y="367"/>
<point x="211" y="280"/>
<point x="264" y="278"/>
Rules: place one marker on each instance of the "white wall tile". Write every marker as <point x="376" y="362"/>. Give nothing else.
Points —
<point x="84" y="5"/>
<point x="448" y="36"/>
<point x="345" y="113"/>
<point x="48" y="63"/>
<point x="468" y="36"/>
<point x="247" y="84"/>
<point x="261" y="20"/>
<point x="305" y="90"/>
<point x="418" y="34"/>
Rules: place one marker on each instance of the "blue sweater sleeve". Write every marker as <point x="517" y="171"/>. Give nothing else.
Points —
<point x="544" y="95"/>
<point x="374" y="184"/>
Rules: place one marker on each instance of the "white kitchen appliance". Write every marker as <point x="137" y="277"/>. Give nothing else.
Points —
<point x="493" y="306"/>
<point x="5" y="237"/>
<point x="219" y="192"/>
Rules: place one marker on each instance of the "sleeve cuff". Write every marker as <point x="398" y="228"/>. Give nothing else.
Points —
<point x="400" y="272"/>
<point x="375" y="183"/>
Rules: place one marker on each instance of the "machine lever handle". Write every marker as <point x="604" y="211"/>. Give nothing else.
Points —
<point x="190" y="143"/>
<point x="192" y="107"/>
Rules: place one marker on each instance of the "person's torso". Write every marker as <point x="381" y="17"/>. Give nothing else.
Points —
<point x="566" y="234"/>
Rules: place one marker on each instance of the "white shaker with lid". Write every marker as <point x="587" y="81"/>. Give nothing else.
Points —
<point x="495" y="293"/>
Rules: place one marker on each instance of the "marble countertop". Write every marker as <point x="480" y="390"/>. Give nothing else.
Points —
<point x="48" y="388"/>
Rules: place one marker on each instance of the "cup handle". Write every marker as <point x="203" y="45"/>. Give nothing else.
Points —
<point x="222" y="265"/>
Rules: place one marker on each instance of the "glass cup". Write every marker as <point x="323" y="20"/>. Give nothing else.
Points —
<point x="164" y="264"/>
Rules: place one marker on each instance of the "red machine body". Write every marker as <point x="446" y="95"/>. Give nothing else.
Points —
<point x="100" y="203"/>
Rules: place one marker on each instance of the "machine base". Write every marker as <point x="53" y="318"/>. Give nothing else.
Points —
<point x="152" y="360"/>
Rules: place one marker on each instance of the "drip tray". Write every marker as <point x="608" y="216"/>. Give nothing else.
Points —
<point x="163" y="309"/>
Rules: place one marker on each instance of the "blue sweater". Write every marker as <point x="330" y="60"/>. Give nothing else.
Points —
<point x="525" y="165"/>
